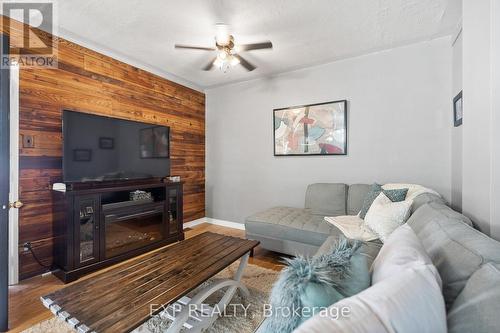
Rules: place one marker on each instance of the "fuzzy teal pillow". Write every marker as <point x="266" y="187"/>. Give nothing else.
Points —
<point x="395" y="195"/>
<point x="308" y="284"/>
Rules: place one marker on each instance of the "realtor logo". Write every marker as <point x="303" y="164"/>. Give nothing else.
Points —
<point x="30" y="27"/>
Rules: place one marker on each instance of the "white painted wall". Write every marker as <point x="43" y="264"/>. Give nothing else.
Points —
<point x="399" y="129"/>
<point x="456" y="133"/>
<point x="495" y="123"/>
<point x="477" y="153"/>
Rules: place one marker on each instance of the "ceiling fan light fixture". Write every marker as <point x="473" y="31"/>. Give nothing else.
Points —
<point x="234" y="61"/>
<point x="222" y="34"/>
<point x="222" y="55"/>
<point x="218" y="63"/>
<point x="225" y="60"/>
<point x="227" y="51"/>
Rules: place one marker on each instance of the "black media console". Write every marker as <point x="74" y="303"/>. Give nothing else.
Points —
<point x="97" y="225"/>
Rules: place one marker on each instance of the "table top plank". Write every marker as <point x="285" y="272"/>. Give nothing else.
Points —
<point x="137" y="311"/>
<point x="148" y="296"/>
<point x="118" y="300"/>
<point x="136" y="279"/>
<point x="123" y="269"/>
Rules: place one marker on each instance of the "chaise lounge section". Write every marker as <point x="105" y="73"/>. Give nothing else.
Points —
<point x="302" y="231"/>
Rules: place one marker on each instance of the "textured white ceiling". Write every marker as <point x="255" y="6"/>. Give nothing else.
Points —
<point x="304" y="32"/>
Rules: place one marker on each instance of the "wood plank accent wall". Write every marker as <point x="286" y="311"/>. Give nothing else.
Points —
<point x="90" y="82"/>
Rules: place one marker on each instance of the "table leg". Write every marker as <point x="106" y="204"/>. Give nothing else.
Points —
<point x="196" y="302"/>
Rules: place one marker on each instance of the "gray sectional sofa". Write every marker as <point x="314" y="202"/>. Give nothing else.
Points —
<point x="303" y="230"/>
<point x="467" y="260"/>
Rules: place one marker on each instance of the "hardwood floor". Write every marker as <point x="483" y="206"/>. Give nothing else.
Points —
<point x="26" y="308"/>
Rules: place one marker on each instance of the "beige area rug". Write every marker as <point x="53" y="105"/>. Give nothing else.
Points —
<point x="258" y="280"/>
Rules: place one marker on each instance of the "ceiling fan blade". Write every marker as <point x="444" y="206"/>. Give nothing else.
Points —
<point x="249" y="67"/>
<point x="256" y="46"/>
<point x="210" y="65"/>
<point x="191" y="47"/>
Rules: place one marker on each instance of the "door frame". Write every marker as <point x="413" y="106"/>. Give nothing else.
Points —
<point x="4" y="188"/>
<point x="14" y="174"/>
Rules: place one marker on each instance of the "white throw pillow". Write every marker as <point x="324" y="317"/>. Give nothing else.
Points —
<point x="409" y="302"/>
<point x="352" y="226"/>
<point x="384" y="216"/>
<point x="401" y="250"/>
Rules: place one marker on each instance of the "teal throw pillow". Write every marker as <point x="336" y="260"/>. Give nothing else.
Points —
<point x="396" y="195"/>
<point x="369" y="198"/>
<point x="317" y="296"/>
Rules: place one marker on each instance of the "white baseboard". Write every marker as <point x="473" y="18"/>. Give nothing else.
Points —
<point x="194" y="223"/>
<point x="223" y="223"/>
<point x="210" y="220"/>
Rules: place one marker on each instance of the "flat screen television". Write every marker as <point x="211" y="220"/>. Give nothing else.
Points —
<point x="97" y="148"/>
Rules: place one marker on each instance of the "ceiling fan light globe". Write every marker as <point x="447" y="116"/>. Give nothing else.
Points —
<point x="222" y="34"/>
<point x="218" y="63"/>
<point x="222" y="55"/>
<point x="234" y="61"/>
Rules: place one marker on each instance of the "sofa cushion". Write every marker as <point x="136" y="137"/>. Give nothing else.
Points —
<point x="425" y="198"/>
<point x="456" y="249"/>
<point x="355" y="196"/>
<point x="477" y="306"/>
<point x="293" y="224"/>
<point x="326" y="199"/>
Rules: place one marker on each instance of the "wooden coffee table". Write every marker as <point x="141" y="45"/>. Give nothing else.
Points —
<point x="126" y="296"/>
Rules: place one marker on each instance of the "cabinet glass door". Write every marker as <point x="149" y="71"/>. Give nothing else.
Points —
<point x="173" y="209"/>
<point x="87" y="235"/>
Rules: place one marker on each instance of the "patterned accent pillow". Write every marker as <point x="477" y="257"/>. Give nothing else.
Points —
<point x="395" y="195"/>
<point x="369" y="198"/>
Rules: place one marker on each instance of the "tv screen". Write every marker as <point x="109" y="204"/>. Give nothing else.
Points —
<point x="97" y="148"/>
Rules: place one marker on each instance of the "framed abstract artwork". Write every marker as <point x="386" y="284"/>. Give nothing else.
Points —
<point x="458" y="112"/>
<point x="315" y="129"/>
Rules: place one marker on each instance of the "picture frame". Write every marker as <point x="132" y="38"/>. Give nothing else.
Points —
<point x="458" y="112"/>
<point x="82" y="155"/>
<point x="106" y="143"/>
<point x="311" y="129"/>
<point x="154" y="142"/>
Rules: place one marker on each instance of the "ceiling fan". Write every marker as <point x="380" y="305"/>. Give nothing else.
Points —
<point x="227" y="51"/>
